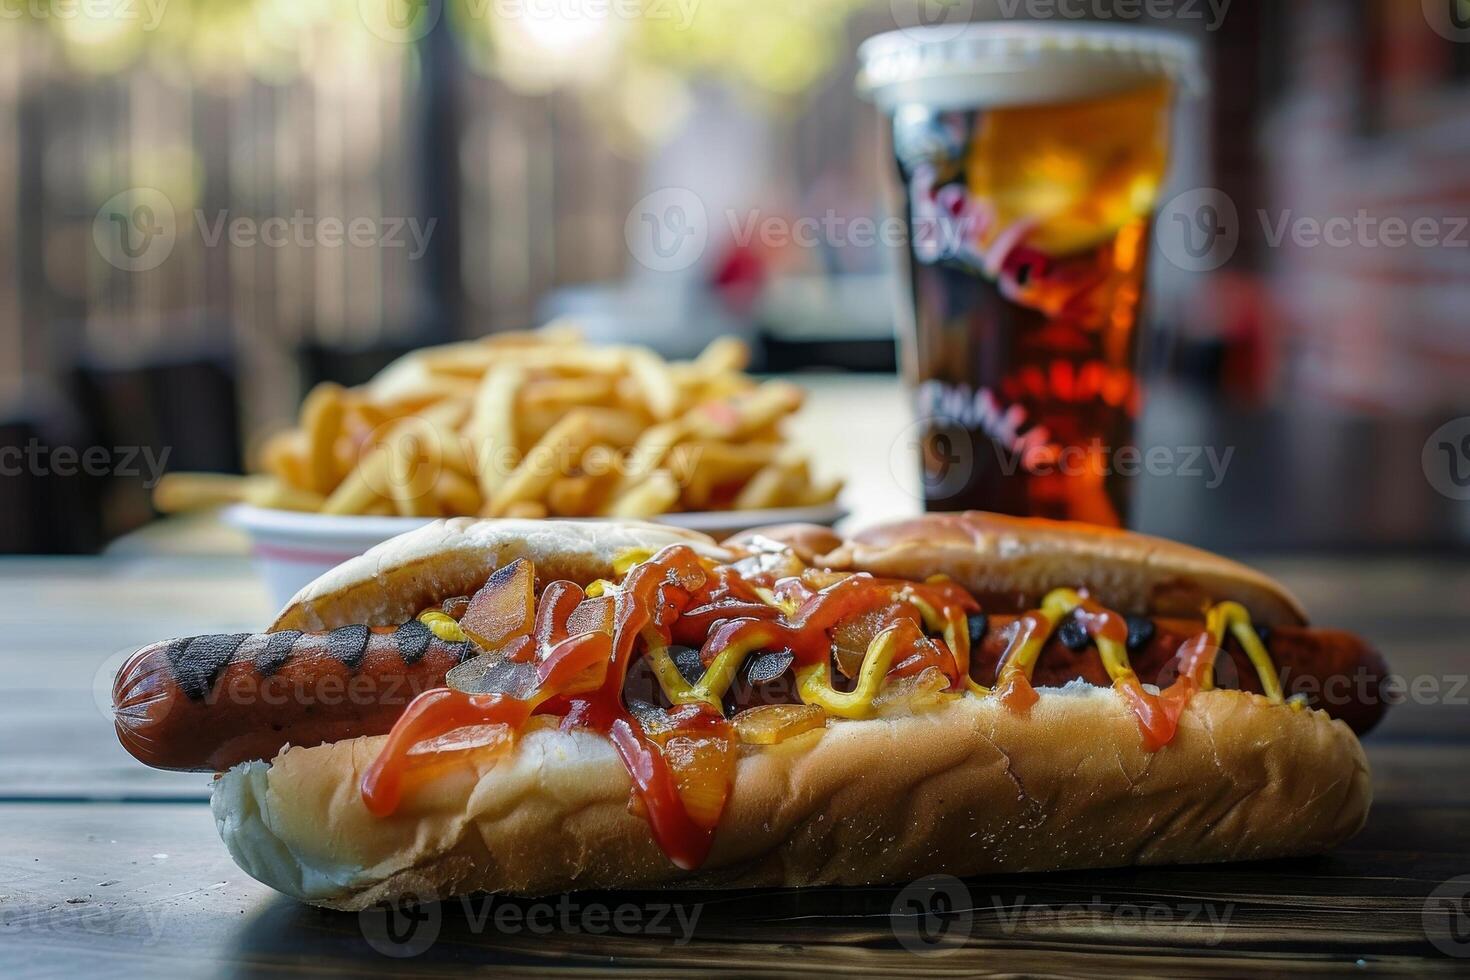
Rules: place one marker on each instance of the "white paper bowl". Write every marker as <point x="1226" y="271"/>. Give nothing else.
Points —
<point x="292" y="548"/>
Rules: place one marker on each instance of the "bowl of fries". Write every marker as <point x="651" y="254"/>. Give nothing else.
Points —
<point x="530" y="425"/>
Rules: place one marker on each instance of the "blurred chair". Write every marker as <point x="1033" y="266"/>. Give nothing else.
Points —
<point x="47" y="512"/>
<point x="158" y="409"/>
<point x="843" y="323"/>
<point x="353" y="365"/>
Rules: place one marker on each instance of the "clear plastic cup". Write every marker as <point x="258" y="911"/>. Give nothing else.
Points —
<point x="1031" y="158"/>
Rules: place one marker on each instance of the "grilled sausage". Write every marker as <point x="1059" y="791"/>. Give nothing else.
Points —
<point x="1334" y="670"/>
<point x="210" y="702"/>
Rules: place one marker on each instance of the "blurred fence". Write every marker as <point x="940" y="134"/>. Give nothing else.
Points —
<point x="378" y="196"/>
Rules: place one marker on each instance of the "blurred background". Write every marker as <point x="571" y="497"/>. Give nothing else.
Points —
<point x="207" y="207"/>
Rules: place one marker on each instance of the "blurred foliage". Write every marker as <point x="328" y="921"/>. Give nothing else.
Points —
<point x="779" y="47"/>
<point x="619" y="53"/>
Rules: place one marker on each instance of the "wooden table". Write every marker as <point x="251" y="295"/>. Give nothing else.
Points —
<point x="114" y="866"/>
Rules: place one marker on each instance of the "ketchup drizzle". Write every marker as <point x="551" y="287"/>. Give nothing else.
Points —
<point x="676" y="597"/>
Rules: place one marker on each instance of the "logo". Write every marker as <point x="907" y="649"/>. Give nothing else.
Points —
<point x="944" y="451"/>
<point x="933" y="916"/>
<point x="135" y="230"/>
<point x="1446" y="917"/>
<point x="408" y="925"/>
<point x="1450" y="19"/>
<point x="1199" y="230"/>
<point x="1446" y="459"/>
<point x="404" y="461"/>
<point x="667" y="230"/>
<point x="399" y="21"/>
<point x="102" y="684"/>
<point x="939" y="20"/>
<point x="1225" y="673"/>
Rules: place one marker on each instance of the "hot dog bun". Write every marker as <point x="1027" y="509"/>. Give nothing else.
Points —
<point x="406" y="574"/>
<point x="965" y="789"/>
<point x="994" y="555"/>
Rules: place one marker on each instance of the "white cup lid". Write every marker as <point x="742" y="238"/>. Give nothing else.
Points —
<point x="993" y="63"/>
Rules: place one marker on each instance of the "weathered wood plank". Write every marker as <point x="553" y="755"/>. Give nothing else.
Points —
<point x="150" y="884"/>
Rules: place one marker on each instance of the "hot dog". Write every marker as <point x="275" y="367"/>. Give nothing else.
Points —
<point x="236" y="698"/>
<point x="642" y="707"/>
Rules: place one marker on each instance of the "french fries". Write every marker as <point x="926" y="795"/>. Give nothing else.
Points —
<point x="656" y="495"/>
<point x="565" y="441"/>
<point x="530" y="425"/>
<point x="492" y="426"/>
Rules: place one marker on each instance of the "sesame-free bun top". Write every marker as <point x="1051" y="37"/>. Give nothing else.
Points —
<point x="1015" y="561"/>
<point x="1007" y="562"/>
<point x="404" y="575"/>
<point x="807" y="541"/>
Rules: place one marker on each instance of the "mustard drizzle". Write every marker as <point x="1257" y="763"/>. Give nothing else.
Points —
<point x="1060" y="603"/>
<point x="814" y="682"/>
<point x="443" y="625"/>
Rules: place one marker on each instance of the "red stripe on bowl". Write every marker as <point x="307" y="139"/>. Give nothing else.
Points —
<point x="303" y="556"/>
